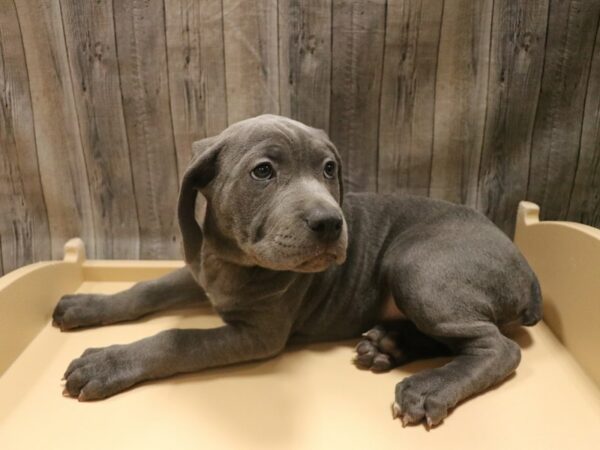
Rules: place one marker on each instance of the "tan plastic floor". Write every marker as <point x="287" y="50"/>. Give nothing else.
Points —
<point x="308" y="398"/>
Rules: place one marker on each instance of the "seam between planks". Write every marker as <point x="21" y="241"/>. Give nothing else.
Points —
<point x="143" y="117"/>
<point x="537" y="108"/>
<point x="382" y="71"/>
<point x="437" y="63"/>
<point x="485" y="115"/>
<point x="76" y="113"/>
<point x="169" y="90"/>
<point x="224" y="69"/>
<point x="118" y="65"/>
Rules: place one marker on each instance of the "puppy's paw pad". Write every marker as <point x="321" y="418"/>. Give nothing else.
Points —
<point x="382" y="363"/>
<point x="378" y="351"/>
<point x="365" y="354"/>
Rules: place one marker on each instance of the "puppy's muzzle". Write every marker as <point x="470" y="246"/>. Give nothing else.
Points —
<point x="325" y="224"/>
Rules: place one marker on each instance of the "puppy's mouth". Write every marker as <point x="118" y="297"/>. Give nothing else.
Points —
<point x="317" y="260"/>
<point x="322" y="261"/>
<point x="290" y="253"/>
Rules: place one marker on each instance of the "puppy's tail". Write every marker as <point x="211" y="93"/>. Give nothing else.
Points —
<point x="533" y="311"/>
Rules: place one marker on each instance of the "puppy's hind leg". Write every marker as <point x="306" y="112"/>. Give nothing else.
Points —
<point x="452" y="303"/>
<point x="178" y="288"/>
<point x="485" y="357"/>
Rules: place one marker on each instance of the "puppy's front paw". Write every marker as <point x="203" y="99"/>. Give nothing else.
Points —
<point x="418" y="398"/>
<point x="79" y="310"/>
<point x="102" y="372"/>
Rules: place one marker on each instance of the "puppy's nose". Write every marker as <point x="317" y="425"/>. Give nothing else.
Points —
<point x="326" y="224"/>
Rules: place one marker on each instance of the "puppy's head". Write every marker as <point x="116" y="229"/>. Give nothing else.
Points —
<point x="273" y="188"/>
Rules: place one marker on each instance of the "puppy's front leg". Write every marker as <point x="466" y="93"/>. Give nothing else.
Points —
<point x="102" y="372"/>
<point x="178" y="288"/>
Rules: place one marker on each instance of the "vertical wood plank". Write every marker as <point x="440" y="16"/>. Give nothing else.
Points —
<point x="251" y="58"/>
<point x="90" y="39"/>
<point x="24" y="231"/>
<point x="584" y="205"/>
<point x="62" y="166"/>
<point x="358" y="32"/>
<point x="141" y="49"/>
<point x="460" y="102"/>
<point x="557" y="130"/>
<point x="408" y="96"/>
<point x="517" y="56"/>
<point x="305" y="61"/>
<point x="196" y="65"/>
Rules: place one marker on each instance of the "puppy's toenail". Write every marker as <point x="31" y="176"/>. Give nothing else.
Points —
<point x="395" y="410"/>
<point x="405" y="420"/>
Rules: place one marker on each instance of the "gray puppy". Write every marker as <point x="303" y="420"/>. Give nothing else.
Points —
<point x="280" y="262"/>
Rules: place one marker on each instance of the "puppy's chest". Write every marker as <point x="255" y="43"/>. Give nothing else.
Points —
<point x="224" y="297"/>
<point x="220" y="301"/>
<point x="223" y="288"/>
<point x="235" y="291"/>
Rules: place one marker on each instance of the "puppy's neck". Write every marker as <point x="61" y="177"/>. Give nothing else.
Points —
<point x="217" y="244"/>
<point x="234" y="289"/>
<point x="228" y="274"/>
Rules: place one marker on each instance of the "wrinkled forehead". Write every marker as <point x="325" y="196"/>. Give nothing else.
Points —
<point x="274" y="131"/>
<point x="264" y="127"/>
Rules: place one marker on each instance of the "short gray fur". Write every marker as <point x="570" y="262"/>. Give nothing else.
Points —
<point x="273" y="279"/>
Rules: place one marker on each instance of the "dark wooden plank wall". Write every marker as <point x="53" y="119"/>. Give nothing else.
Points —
<point x="24" y="232"/>
<point x="406" y="124"/>
<point x="92" y="56"/>
<point x="63" y="174"/>
<point x="460" y="102"/>
<point x="557" y="132"/>
<point x="484" y="103"/>
<point x="512" y="96"/>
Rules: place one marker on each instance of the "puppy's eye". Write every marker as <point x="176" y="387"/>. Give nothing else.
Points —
<point x="329" y="169"/>
<point x="263" y="171"/>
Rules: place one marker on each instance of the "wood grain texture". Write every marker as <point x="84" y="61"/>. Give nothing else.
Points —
<point x="91" y="47"/>
<point x="141" y="47"/>
<point x="305" y="60"/>
<point x="408" y="96"/>
<point x="584" y="205"/>
<point x="557" y="131"/>
<point x="24" y="231"/>
<point x="512" y="96"/>
<point x="358" y="30"/>
<point x="196" y="63"/>
<point x="460" y="102"/>
<point x="62" y="166"/>
<point x="478" y="102"/>
<point x="251" y="58"/>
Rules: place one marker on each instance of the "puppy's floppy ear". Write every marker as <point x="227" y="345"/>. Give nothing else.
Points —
<point x="198" y="175"/>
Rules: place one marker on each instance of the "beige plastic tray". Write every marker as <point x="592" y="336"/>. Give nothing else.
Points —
<point x="310" y="397"/>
